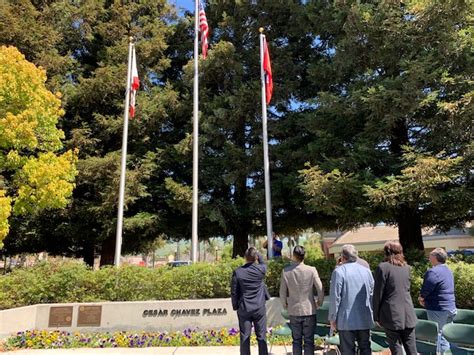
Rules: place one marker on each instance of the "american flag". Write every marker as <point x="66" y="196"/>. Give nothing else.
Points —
<point x="204" y="29"/>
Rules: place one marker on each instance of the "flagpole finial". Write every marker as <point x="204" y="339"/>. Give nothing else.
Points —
<point x="261" y="29"/>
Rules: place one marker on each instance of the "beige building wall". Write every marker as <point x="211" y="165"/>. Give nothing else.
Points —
<point x="449" y="243"/>
<point x="372" y="239"/>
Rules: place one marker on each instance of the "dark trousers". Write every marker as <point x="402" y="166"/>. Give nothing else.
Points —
<point x="259" y="320"/>
<point x="302" y="327"/>
<point x="348" y="338"/>
<point x="399" y="339"/>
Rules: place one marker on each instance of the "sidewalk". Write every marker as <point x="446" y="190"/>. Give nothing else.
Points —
<point x="200" y="350"/>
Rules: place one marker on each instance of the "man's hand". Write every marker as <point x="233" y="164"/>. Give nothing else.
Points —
<point x="316" y="303"/>
<point x="333" y="325"/>
<point x="421" y="300"/>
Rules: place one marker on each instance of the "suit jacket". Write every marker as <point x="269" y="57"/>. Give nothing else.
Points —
<point x="299" y="286"/>
<point x="393" y="306"/>
<point x="352" y="286"/>
<point x="248" y="290"/>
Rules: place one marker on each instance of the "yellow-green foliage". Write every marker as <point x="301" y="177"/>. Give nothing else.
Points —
<point x="5" y="211"/>
<point x="46" y="182"/>
<point x="417" y="182"/>
<point x="29" y="112"/>
<point x="29" y="138"/>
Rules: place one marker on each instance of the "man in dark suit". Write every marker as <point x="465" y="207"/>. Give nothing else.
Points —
<point x="249" y="294"/>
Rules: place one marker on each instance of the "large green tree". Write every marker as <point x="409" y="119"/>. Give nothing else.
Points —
<point x="375" y="95"/>
<point x="391" y="129"/>
<point x="85" y="50"/>
<point x="232" y="199"/>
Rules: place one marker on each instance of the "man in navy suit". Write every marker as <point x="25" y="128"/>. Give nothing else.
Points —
<point x="249" y="294"/>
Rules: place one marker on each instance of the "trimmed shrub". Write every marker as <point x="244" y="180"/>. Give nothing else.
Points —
<point x="469" y="259"/>
<point x="71" y="281"/>
<point x="374" y="259"/>
<point x="325" y="268"/>
<point x="275" y="267"/>
<point x="274" y="270"/>
<point x="463" y="284"/>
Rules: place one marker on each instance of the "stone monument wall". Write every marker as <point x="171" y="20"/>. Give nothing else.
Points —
<point x="147" y="316"/>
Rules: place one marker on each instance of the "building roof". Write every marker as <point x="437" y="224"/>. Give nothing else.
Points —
<point x="368" y="234"/>
<point x="331" y="235"/>
<point x="374" y="237"/>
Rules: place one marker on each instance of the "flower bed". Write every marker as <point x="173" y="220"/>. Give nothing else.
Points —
<point x="36" y="339"/>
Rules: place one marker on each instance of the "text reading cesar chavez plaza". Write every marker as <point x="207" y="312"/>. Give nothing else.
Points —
<point x="187" y="312"/>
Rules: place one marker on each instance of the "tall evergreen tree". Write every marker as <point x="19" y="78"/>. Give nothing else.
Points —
<point x="392" y="126"/>
<point x="376" y="95"/>
<point x="231" y="169"/>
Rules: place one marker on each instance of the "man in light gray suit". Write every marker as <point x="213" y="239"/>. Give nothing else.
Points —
<point x="350" y="310"/>
<point x="299" y="286"/>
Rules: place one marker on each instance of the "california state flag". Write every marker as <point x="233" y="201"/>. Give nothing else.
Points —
<point x="134" y="85"/>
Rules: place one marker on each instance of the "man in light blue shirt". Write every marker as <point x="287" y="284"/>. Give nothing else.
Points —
<point x="350" y="310"/>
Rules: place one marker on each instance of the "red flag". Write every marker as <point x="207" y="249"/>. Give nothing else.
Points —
<point x="204" y="29"/>
<point x="267" y="68"/>
<point x="134" y="85"/>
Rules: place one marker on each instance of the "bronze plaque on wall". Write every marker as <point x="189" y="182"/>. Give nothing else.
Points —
<point x="89" y="316"/>
<point x="60" y="317"/>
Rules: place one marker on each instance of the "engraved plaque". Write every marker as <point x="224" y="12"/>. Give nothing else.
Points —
<point x="89" y="316"/>
<point x="60" y="317"/>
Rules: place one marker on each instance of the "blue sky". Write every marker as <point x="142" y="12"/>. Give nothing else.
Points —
<point x="186" y="4"/>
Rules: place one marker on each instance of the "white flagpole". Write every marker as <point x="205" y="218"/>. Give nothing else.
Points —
<point x="194" y="235"/>
<point x="266" y="164"/>
<point x="118" y="240"/>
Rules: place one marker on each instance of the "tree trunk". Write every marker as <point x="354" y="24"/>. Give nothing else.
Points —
<point x="88" y="253"/>
<point x="107" y="253"/>
<point x="409" y="229"/>
<point x="240" y="244"/>
<point x="241" y="226"/>
<point x="408" y="218"/>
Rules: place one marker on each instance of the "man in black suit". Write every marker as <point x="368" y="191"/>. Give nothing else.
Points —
<point x="249" y="294"/>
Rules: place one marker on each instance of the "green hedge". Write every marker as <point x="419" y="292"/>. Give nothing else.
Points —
<point x="69" y="281"/>
<point x="462" y="268"/>
<point x="75" y="282"/>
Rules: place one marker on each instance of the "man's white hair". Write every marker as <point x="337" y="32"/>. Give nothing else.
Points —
<point x="349" y="252"/>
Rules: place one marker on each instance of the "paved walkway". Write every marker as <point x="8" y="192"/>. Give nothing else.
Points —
<point x="215" y="350"/>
